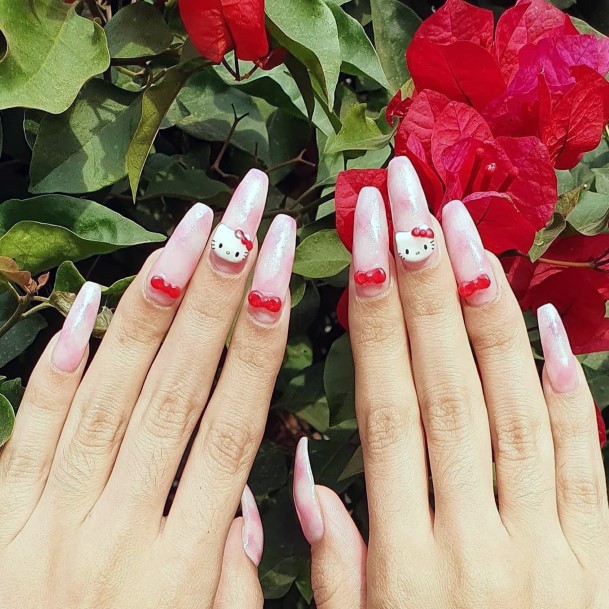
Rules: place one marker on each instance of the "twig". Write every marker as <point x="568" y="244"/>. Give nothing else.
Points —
<point x="22" y="305"/>
<point x="40" y="307"/>
<point x="296" y="159"/>
<point x="607" y="132"/>
<point x="95" y="10"/>
<point x="229" y="68"/>
<point x="216" y="166"/>
<point x="237" y="68"/>
<point x="298" y="213"/>
<point x="250" y="73"/>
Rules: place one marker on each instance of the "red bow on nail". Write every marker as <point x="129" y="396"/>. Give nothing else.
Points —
<point x="377" y="276"/>
<point x="249" y="244"/>
<point x="469" y="288"/>
<point x="259" y="300"/>
<point x="158" y="283"/>
<point x="422" y="231"/>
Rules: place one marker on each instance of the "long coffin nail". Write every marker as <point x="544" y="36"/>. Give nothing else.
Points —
<point x="173" y="269"/>
<point x="370" y="244"/>
<point x="77" y="328"/>
<point x="305" y="497"/>
<point x="253" y="533"/>
<point x="561" y="364"/>
<point x="472" y="268"/>
<point x="234" y="237"/>
<point x="273" y="270"/>
<point x="414" y="238"/>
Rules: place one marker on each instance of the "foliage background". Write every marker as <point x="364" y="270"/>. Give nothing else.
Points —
<point x="98" y="85"/>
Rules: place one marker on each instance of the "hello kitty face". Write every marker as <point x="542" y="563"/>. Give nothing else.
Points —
<point x="415" y="245"/>
<point x="231" y="245"/>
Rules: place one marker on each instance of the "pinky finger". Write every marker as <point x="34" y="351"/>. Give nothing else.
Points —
<point x="580" y="478"/>
<point x="338" y="552"/>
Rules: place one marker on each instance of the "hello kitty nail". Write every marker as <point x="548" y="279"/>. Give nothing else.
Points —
<point x="414" y="238"/>
<point x="173" y="269"/>
<point x="271" y="280"/>
<point x="370" y="244"/>
<point x="234" y="237"/>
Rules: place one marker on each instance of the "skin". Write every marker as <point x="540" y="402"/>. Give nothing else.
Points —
<point x="85" y="477"/>
<point x="420" y="401"/>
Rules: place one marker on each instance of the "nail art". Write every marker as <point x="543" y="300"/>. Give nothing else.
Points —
<point x="233" y="239"/>
<point x="475" y="280"/>
<point x="253" y="532"/>
<point x="273" y="270"/>
<point x="179" y="258"/>
<point x="370" y="243"/>
<point x="305" y="496"/>
<point x="77" y="328"/>
<point x="414" y="237"/>
<point x="561" y="366"/>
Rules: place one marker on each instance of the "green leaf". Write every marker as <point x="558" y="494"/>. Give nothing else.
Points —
<point x="156" y="102"/>
<point x="83" y="149"/>
<point x="545" y="237"/>
<point x="52" y="52"/>
<point x="7" y="420"/>
<point x="307" y="28"/>
<point x="359" y="132"/>
<point x="321" y="255"/>
<point x="596" y="367"/>
<point x="355" y="465"/>
<point x="138" y="30"/>
<point x="42" y="232"/>
<point x="339" y="381"/>
<point x="601" y="181"/>
<point x="394" y="26"/>
<point x="269" y="472"/>
<point x="357" y="52"/>
<point x="12" y="390"/>
<point x="591" y="213"/>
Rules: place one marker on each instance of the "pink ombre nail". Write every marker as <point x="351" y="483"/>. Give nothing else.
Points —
<point x="370" y="244"/>
<point x="253" y="533"/>
<point x="175" y="266"/>
<point x="234" y="237"/>
<point x="561" y="364"/>
<point x="472" y="268"/>
<point x="273" y="270"/>
<point x="305" y="497"/>
<point x="414" y="237"/>
<point x="76" y="332"/>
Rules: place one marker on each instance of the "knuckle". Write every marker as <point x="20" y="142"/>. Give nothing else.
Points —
<point x="384" y="428"/>
<point x="449" y="416"/>
<point x="230" y="447"/>
<point x="137" y="328"/>
<point x="170" y="416"/>
<point x="570" y="428"/>
<point x="500" y="336"/>
<point x="206" y="307"/>
<point x="258" y="359"/>
<point x="99" y="428"/>
<point x="21" y="467"/>
<point x="518" y="437"/>
<point x="378" y="331"/>
<point x="581" y="490"/>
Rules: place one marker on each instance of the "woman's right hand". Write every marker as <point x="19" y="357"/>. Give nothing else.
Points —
<point x="85" y="478"/>
<point x="423" y="398"/>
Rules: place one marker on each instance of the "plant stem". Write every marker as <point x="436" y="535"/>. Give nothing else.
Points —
<point x="567" y="264"/>
<point x="95" y="10"/>
<point x="22" y="305"/>
<point x="296" y="159"/>
<point x="39" y="307"/>
<point x="216" y="166"/>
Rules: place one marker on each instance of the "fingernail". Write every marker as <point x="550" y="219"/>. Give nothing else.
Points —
<point x="561" y="364"/>
<point x="305" y="497"/>
<point x="175" y="266"/>
<point x="414" y="238"/>
<point x="253" y="533"/>
<point x="273" y="270"/>
<point x="76" y="332"/>
<point x="234" y="237"/>
<point x="370" y="244"/>
<point x="475" y="279"/>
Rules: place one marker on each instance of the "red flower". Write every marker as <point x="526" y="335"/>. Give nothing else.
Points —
<point x="217" y="26"/>
<point x="602" y="430"/>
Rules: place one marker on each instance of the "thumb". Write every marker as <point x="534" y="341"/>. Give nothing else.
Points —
<point x="338" y="552"/>
<point x="239" y="587"/>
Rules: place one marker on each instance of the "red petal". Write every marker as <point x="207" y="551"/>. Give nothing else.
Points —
<point x="397" y="108"/>
<point x="246" y="23"/>
<point x="275" y="58"/>
<point x="348" y="186"/>
<point x="458" y="20"/>
<point x="602" y="430"/>
<point x="342" y="310"/>
<point x="462" y="71"/>
<point x="204" y="22"/>
<point x="527" y="22"/>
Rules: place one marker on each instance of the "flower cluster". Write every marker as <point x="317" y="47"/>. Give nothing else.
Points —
<point x="492" y="113"/>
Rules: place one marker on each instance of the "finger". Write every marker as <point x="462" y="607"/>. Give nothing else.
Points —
<point x="580" y="479"/>
<point x="447" y="383"/>
<point x="164" y="418"/>
<point x="26" y="459"/>
<point x="520" y="426"/>
<point x="338" y="552"/>
<point x="239" y="587"/>
<point x="105" y="399"/>
<point x="386" y="402"/>
<point x="232" y="428"/>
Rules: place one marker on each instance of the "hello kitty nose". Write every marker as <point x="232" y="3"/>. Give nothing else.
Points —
<point x="228" y="252"/>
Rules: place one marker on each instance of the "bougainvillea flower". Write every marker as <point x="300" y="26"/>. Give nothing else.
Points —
<point x="275" y="58"/>
<point x="602" y="430"/>
<point x="216" y="27"/>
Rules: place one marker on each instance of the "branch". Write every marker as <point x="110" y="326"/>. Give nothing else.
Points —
<point x="216" y="166"/>
<point x="296" y="159"/>
<point x="95" y="10"/>
<point x="22" y="305"/>
<point x="298" y="213"/>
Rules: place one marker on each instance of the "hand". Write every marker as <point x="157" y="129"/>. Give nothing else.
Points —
<point x="85" y="478"/>
<point x="421" y="399"/>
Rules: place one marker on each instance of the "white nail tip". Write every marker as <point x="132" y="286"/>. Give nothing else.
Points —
<point x="231" y="245"/>
<point x="415" y="245"/>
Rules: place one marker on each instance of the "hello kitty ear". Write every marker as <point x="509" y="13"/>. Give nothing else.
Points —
<point x="249" y="245"/>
